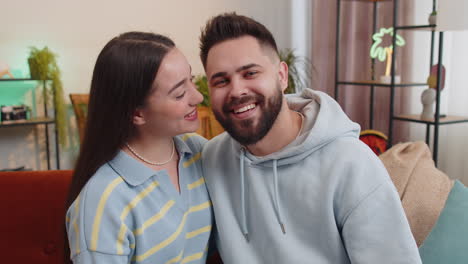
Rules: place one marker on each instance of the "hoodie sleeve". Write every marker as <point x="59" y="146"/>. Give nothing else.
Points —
<point x="377" y="231"/>
<point x="375" y="228"/>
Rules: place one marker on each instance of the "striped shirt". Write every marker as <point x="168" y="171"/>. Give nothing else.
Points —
<point x="129" y="213"/>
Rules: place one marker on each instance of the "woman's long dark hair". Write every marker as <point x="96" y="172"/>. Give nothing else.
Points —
<point x="122" y="80"/>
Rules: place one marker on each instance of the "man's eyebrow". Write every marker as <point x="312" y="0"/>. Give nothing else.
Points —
<point x="245" y="67"/>
<point x="242" y="68"/>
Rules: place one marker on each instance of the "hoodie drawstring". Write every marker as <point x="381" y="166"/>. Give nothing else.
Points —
<point x="277" y="205"/>
<point x="277" y="200"/>
<point x="244" y="217"/>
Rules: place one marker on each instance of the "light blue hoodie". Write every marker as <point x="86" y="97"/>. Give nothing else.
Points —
<point x="324" y="198"/>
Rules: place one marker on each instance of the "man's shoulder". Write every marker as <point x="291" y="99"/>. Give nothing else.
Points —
<point x="349" y="148"/>
<point x="222" y="142"/>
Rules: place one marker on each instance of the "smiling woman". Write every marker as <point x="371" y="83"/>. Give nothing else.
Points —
<point x="137" y="192"/>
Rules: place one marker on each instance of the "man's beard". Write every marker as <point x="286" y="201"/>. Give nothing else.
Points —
<point x="245" y="132"/>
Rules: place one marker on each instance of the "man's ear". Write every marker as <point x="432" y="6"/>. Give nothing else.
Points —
<point x="283" y="75"/>
<point x="138" y="117"/>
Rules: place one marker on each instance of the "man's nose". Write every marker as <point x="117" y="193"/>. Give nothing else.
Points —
<point x="238" y="88"/>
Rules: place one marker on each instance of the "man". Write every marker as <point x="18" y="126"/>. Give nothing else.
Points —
<point x="290" y="181"/>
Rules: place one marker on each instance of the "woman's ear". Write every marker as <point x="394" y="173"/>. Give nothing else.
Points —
<point x="283" y="75"/>
<point x="138" y="117"/>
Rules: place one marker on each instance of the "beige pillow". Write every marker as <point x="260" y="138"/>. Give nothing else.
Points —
<point x="423" y="189"/>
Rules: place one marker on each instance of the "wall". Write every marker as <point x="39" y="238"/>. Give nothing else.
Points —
<point x="453" y="143"/>
<point x="77" y="31"/>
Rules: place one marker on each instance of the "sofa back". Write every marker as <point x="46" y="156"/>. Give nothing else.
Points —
<point x="32" y="204"/>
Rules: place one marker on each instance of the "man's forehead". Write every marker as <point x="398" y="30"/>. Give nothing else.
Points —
<point x="234" y="53"/>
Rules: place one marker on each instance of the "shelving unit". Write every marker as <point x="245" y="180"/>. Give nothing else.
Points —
<point x="437" y="121"/>
<point x="35" y="121"/>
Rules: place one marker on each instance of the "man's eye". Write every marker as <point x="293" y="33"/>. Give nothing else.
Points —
<point x="180" y="96"/>
<point x="250" y="73"/>
<point x="221" y="82"/>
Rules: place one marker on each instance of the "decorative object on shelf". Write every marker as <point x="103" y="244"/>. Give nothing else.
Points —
<point x="299" y="70"/>
<point x="43" y="66"/>
<point x="375" y="139"/>
<point x="432" y="79"/>
<point x="432" y="18"/>
<point x="14" y="112"/>
<point x="382" y="53"/>
<point x="428" y="96"/>
<point x="5" y="70"/>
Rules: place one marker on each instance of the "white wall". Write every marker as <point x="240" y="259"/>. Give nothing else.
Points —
<point x="453" y="143"/>
<point x="77" y="31"/>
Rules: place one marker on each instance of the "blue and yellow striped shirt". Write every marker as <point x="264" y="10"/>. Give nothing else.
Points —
<point x="129" y="213"/>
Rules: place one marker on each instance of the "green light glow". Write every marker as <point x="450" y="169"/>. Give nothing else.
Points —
<point x="13" y="93"/>
<point x="380" y="53"/>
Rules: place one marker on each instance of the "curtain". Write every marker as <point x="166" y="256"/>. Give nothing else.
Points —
<point x="356" y="26"/>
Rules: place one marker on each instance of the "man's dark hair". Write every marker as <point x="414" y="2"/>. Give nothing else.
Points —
<point x="229" y="26"/>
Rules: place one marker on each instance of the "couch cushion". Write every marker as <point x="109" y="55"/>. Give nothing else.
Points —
<point x="448" y="240"/>
<point x="33" y="216"/>
<point x="423" y="189"/>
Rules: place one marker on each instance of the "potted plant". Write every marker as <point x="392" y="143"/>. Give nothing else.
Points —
<point x="43" y="66"/>
<point x="209" y="126"/>
<point x="299" y="70"/>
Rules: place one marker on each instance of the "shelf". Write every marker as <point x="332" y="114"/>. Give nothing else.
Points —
<point x="376" y="83"/>
<point x="417" y="27"/>
<point x="367" y="0"/>
<point x="16" y="79"/>
<point x="29" y="122"/>
<point x="451" y="119"/>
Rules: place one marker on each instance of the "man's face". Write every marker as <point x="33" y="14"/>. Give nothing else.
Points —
<point x="246" y="87"/>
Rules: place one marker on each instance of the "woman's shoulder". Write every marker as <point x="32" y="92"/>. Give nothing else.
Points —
<point x="105" y="184"/>
<point x="193" y="141"/>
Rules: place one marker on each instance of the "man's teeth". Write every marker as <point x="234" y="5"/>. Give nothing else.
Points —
<point x="245" y="108"/>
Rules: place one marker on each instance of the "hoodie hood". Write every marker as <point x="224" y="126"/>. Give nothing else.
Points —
<point x="324" y="122"/>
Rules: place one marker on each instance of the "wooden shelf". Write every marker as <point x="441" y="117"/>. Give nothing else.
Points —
<point x="28" y="122"/>
<point x="367" y="0"/>
<point x="417" y="27"/>
<point x="377" y="83"/>
<point x="16" y="79"/>
<point x="450" y="119"/>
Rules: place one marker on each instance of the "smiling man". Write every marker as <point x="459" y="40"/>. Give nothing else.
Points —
<point x="290" y="181"/>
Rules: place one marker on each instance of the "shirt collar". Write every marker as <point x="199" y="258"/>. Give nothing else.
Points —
<point x="134" y="172"/>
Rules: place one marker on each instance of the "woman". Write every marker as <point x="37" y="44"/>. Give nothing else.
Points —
<point x="137" y="193"/>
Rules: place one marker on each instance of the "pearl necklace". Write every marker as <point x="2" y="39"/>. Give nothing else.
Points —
<point x="150" y="162"/>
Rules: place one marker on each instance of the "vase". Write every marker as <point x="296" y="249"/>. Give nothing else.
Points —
<point x="432" y="20"/>
<point x="428" y="97"/>
<point x="34" y="70"/>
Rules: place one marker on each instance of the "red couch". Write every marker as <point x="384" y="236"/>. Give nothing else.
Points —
<point x="32" y="204"/>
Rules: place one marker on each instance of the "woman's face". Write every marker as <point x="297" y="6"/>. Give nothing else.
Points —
<point x="171" y="107"/>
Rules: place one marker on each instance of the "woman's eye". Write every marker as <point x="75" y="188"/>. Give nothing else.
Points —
<point x="180" y="96"/>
